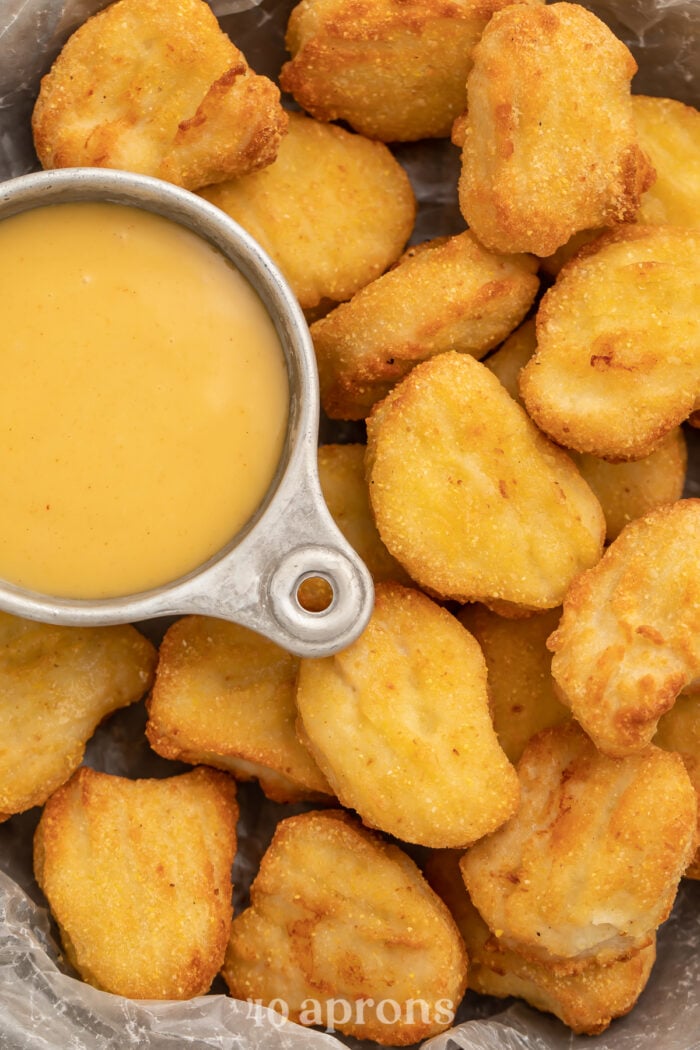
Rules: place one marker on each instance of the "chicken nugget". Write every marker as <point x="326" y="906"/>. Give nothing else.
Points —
<point x="454" y="501"/>
<point x="521" y="688"/>
<point x="585" y="1001"/>
<point x="341" y="470"/>
<point x="618" y="343"/>
<point x="589" y="866"/>
<point x="56" y="686"/>
<point x="137" y="874"/>
<point x="629" y="639"/>
<point x="625" y="491"/>
<point x="345" y="932"/>
<point x="450" y="295"/>
<point x="399" y="723"/>
<point x="679" y="731"/>
<point x="550" y="145"/>
<point x="224" y="696"/>
<point x="333" y="211"/>
<point x="155" y="87"/>
<point x="395" y="70"/>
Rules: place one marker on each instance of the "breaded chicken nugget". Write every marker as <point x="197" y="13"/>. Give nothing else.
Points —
<point x="334" y="210"/>
<point x="56" y="686"/>
<point x="341" y="470"/>
<point x="679" y="731"/>
<point x="625" y="490"/>
<point x="589" y="865"/>
<point x="137" y="874"/>
<point x="399" y="723"/>
<point x="450" y="295"/>
<point x="224" y="696"/>
<point x="344" y="930"/>
<point x="629" y="639"/>
<point x="586" y="1001"/>
<point x="154" y="86"/>
<point x="396" y="70"/>
<point x="474" y="502"/>
<point x="521" y="687"/>
<point x="549" y="140"/>
<point x="669" y="133"/>
<point x="618" y="343"/>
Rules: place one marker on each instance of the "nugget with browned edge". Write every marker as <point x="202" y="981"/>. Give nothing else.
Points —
<point x="448" y="294"/>
<point x="589" y="866"/>
<point x="399" y="723"/>
<point x="454" y="502"/>
<point x="586" y="1001"/>
<point x="137" y="874"/>
<point x="550" y="145"/>
<point x="56" y="686"/>
<point x="395" y="70"/>
<point x="629" y="639"/>
<point x="224" y="696"/>
<point x="344" y="931"/>
<point x="334" y="210"/>
<point x="156" y="87"/>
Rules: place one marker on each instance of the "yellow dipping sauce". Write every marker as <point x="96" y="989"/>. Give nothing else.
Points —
<point x="143" y="400"/>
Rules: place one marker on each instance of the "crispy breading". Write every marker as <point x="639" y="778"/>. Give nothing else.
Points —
<point x="451" y="294"/>
<point x="625" y="491"/>
<point x="454" y="502"/>
<point x="399" y="723"/>
<point x="549" y="139"/>
<point x="340" y="918"/>
<point x="224" y="696"/>
<point x="521" y="688"/>
<point x="56" y="686"/>
<point x="585" y="1001"/>
<point x="334" y="210"/>
<point x="341" y="471"/>
<point x="679" y="731"/>
<point x="629" y="639"/>
<point x="589" y="866"/>
<point x="669" y="133"/>
<point x="618" y="343"/>
<point x="156" y="87"/>
<point x="137" y="874"/>
<point x="396" y="70"/>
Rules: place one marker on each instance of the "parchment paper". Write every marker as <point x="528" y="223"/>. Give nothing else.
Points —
<point x="42" y="1004"/>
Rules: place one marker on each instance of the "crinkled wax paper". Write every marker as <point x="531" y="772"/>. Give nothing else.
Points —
<point x="42" y="1005"/>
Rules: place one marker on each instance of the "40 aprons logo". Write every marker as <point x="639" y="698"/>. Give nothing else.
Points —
<point x="337" y="1014"/>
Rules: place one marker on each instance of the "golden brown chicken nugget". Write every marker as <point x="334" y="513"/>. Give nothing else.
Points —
<point x="618" y="343"/>
<point x="334" y="210"/>
<point x="625" y="491"/>
<point x="549" y="144"/>
<point x="137" y="874"/>
<point x="589" y="865"/>
<point x="399" y="723"/>
<point x="629" y="639"/>
<point x="670" y="133"/>
<point x="345" y="932"/>
<point x="56" y="686"/>
<point x="585" y="1001"/>
<point x="679" y="731"/>
<point x="396" y="70"/>
<point x="474" y="502"/>
<point x="521" y="688"/>
<point x="341" y="471"/>
<point x="450" y="295"/>
<point x="155" y="86"/>
<point x="224" y="696"/>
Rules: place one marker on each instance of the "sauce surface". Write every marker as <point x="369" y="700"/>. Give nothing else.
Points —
<point x="143" y="400"/>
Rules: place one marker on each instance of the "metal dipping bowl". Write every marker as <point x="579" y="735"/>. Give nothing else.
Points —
<point x="254" y="579"/>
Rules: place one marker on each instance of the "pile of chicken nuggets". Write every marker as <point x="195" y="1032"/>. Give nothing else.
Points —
<point x="502" y="772"/>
